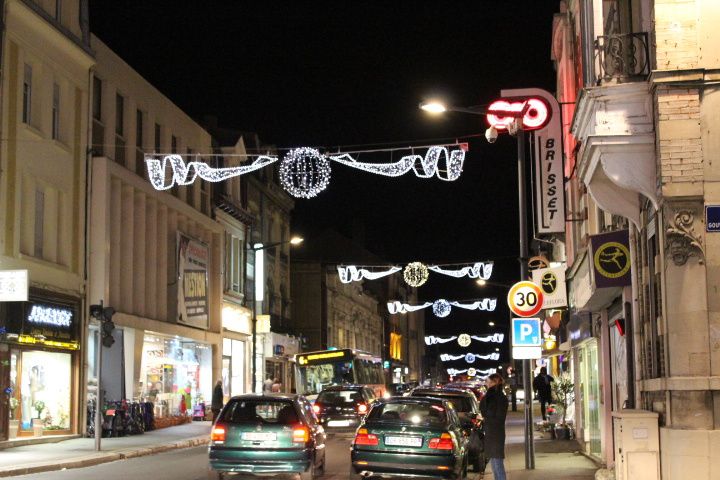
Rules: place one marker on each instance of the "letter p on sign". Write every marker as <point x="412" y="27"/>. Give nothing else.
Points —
<point x="526" y="332"/>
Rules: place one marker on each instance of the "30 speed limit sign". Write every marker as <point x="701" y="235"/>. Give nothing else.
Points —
<point x="525" y="299"/>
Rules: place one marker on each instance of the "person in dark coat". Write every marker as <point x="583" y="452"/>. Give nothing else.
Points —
<point x="493" y="407"/>
<point x="543" y="390"/>
<point x="217" y="399"/>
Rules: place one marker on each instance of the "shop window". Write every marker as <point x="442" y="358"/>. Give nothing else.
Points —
<point x="45" y="380"/>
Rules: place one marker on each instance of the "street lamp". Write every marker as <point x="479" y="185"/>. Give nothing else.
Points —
<point x="259" y="250"/>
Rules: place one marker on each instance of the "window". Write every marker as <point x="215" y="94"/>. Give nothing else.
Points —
<point x="56" y="112"/>
<point x="119" y="129"/>
<point x="139" y="140"/>
<point x="234" y="260"/>
<point x="158" y="138"/>
<point x="27" y="95"/>
<point x="98" y="129"/>
<point x="39" y="223"/>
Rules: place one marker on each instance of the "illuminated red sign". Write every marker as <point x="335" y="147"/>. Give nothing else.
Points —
<point x="536" y="114"/>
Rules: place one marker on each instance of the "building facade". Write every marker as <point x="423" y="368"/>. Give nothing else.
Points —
<point x="638" y="82"/>
<point x="46" y="61"/>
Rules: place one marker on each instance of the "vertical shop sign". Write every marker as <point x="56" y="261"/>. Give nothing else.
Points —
<point x="193" y="257"/>
<point x="611" y="259"/>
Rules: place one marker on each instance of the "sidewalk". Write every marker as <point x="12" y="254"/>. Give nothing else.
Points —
<point x="80" y="452"/>
<point x="554" y="459"/>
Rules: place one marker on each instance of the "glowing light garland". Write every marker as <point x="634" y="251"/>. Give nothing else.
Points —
<point x="454" y="371"/>
<point x="305" y="172"/>
<point x="469" y="357"/>
<point x="477" y="270"/>
<point x="491" y="338"/>
<point x="442" y="307"/>
<point x="351" y="273"/>
<point x="415" y="274"/>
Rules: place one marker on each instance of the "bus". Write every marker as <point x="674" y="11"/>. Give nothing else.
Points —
<point x="315" y="370"/>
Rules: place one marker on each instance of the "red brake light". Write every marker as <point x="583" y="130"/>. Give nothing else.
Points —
<point x="217" y="434"/>
<point x="362" y="437"/>
<point x="301" y="434"/>
<point x="316" y="408"/>
<point x="445" y="442"/>
<point x="362" y="408"/>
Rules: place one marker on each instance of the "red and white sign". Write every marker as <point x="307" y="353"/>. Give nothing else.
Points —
<point x="525" y="299"/>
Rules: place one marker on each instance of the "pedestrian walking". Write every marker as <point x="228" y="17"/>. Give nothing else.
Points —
<point x="493" y="407"/>
<point x="217" y="400"/>
<point x="267" y="384"/>
<point x="276" y="386"/>
<point x="543" y="390"/>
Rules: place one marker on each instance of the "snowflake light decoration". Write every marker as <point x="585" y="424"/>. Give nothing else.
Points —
<point x="469" y="357"/>
<point x="415" y="274"/>
<point x="304" y="172"/>
<point x="464" y="340"/>
<point x="482" y="270"/>
<point x="441" y="308"/>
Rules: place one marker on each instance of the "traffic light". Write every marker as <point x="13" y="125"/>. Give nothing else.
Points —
<point x="104" y="316"/>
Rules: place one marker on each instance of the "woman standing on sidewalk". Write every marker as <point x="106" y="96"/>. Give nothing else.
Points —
<point x="494" y="407"/>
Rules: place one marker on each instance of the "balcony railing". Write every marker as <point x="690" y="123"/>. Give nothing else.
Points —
<point x="623" y="57"/>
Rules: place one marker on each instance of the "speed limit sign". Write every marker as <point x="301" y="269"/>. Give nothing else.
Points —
<point x="525" y="299"/>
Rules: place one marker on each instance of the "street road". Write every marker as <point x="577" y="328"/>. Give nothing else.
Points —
<point x="187" y="464"/>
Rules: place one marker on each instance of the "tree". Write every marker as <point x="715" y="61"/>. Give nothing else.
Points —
<point x="564" y="392"/>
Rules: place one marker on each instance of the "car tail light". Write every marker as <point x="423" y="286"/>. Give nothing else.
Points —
<point x="217" y="434"/>
<point x="444" y="442"/>
<point x="301" y="434"/>
<point x="362" y="408"/>
<point x="362" y="437"/>
<point x="316" y="409"/>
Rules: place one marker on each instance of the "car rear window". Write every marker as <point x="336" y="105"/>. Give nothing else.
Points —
<point x="339" y="397"/>
<point x="460" y="403"/>
<point x="281" y="412"/>
<point x="413" y="413"/>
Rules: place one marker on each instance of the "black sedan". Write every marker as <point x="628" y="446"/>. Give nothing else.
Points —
<point x="341" y="407"/>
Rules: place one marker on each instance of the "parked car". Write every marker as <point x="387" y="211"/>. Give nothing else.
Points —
<point x="410" y="437"/>
<point x="477" y="388"/>
<point x="343" y="406"/>
<point x="398" y="389"/>
<point x="468" y="409"/>
<point x="267" y="434"/>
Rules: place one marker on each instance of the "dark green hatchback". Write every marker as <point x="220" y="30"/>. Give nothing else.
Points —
<point x="410" y="437"/>
<point x="266" y="434"/>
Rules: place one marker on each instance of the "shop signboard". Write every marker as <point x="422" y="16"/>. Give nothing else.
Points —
<point x="579" y="327"/>
<point x="611" y="259"/>
<point x="192" y="295"/>
<point x="712" y="218"/>
<point x="552" y="282"/>
<point x="42" y="323"/>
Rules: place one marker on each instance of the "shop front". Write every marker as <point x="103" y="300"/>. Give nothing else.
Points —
<point x="40" y="359"/>
<point x="236" y="350"/>
<point x="280" y="353"/>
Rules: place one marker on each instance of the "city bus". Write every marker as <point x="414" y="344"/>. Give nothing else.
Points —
<point x="315" y="370"/>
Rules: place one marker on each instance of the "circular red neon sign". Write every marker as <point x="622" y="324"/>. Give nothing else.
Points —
<point x="536" y="115"/>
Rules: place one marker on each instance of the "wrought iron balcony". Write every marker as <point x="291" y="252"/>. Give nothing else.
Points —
<point x="623" y="57"/>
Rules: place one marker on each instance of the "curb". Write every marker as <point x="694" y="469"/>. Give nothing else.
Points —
<point x="101" y="457"/>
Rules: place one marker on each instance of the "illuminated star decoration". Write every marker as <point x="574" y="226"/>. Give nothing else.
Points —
<point x="469" y="357"/>
<point x="491" y="338"/>
<point x="442" y="307"/>
<point x="351" y="273"/>
<point x="454" y="371"/>
<point x="305" y="172"/>
<point x="415" y="272"/>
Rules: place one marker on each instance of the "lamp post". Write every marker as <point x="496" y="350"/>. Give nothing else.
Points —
<point x="529" y="113"/>
<point x="259" y="249"/>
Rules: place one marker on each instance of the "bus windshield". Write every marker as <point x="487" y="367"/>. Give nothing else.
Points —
<point x="312" y="378"/>
<point x="316" y="370"/>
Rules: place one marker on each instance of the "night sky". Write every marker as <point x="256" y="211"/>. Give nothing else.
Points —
<point x="342" y="74"/>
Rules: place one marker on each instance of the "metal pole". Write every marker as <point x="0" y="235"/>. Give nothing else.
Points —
<point x="98" y="397"/>
<point x="254" y="346"/>
<point x="524" y="253"/>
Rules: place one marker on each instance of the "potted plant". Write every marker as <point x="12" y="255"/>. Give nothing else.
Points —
<point x="14" y="422"/>
<point x="37" y="423"/>
<point x="564" y="392"/>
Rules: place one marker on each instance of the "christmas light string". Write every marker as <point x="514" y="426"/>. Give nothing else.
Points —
<point x="442" y="307"/>
<point x="351" y="273"/>
<point x="454" y="371"/>
<point x="305" y="172"/>
<point x="415" y="273"/>
<point x="490" y="338"/>
<point x="469" y="357"/>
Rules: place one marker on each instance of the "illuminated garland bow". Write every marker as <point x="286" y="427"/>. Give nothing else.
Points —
<point x="494" y="338"/>
<point x="454" y="371"/>
<point x="305" y="172"/>
<point x="355" y="273"/>
<point x="469" y="357"/>
<point x="442" y="307"/>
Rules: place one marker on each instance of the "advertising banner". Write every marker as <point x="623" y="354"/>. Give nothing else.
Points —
<point x="193" y="257"/>
<point x="611" y="259"/>
<point x="552" y="283"/>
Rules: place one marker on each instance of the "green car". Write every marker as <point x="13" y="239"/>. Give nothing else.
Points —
<point x="267" y="434"/>
<point x="410" y="437"/>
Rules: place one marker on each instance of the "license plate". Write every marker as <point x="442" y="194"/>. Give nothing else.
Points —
<point x="404" y="441"/>
<point x="259" y="436"/>
<point x="338" y="423"/>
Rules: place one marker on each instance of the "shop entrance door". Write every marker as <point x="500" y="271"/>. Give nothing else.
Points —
<point x="5" y="385"/>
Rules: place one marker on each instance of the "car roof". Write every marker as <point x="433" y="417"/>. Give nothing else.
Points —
<point x="335" y="388"/>
<point x="442" y="391"/>
<point x="386" y="401"/>
<point x="266" y="396"/>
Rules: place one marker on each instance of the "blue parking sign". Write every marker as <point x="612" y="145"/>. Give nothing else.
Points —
<point x="712" y="218"/>
<point x="526" y="332"/>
